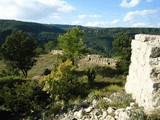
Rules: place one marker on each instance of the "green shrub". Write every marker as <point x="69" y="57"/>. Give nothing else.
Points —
<point x="120" y="100"/>
<point x="138" y="114"/>
<point x="9" y="81"/>
<point x="56" y="107"/>
<point x="91" y="74"/>
<point x="96" y="94"/>
<point x="103" y="104"/>
<point x="114" y="88"/>
<point x="24" y="99"/>
<point x="63" y="83"/>
<point x="9" y="72"/>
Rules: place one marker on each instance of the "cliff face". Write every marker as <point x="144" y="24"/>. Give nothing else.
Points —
<point x="143" y="81"/>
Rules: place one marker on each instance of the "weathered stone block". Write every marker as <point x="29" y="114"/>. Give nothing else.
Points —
<point x="143" y="81"/>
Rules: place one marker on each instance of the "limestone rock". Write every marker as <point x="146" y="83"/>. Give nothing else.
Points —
<point x="143" y="81"/>
<point x="104" y="115"/>
<point x="94" y="103"/>
<point x="110" y="111"/>
<point x="109" y="117"/>
<point x="89" y="109"/>
<point x="123" y="116"/>
<point x="79" y="114"/>
<point x="132" y="104"/>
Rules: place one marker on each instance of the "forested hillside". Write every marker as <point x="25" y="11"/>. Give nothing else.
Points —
<point x="41" y="32"/>
<point x="100" y="39"/>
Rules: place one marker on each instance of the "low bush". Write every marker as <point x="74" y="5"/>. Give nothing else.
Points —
<point x="114" y="88"/>
<point x="120" y="100"/>
<point x="103" y="104"/>
<point x="63" y="84"/>
<point x="24" y="99"/>
<point x="138" y="114"/>
<point x="9" y="81"/>
<point x="91" y="74"/>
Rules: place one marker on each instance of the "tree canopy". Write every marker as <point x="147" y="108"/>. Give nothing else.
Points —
<point x="71" y="43"/>
<point x="19" y="51"/>
<point x="49" y="46"/>
<point x="122" y="48"/>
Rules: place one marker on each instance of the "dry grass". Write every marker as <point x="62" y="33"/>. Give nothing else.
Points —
<point x="43" y="62"/>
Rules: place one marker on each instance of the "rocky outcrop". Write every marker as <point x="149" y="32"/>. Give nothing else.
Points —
<point x="143" y="81"/>
<point x="89" y="111"/>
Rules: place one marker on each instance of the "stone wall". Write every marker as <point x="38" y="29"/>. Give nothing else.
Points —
<point x="143" y="81"/>
<point x="99" y="60"/>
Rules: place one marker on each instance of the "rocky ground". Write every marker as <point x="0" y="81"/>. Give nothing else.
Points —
<point x="90" y="111"/>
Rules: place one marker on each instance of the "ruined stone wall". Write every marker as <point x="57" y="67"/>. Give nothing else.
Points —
<point x="143" y="81"/>
<point x="99" y="60"/>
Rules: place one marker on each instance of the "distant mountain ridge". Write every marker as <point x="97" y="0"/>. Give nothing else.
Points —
<point x="100" y="39"/>
<point x="28" y="26"/>
<point x="36" y="30"/>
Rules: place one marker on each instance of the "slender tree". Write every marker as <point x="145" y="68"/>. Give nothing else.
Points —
<point x="19" y="51"/>
<point x="71" y="43"/>
<point x="122" y="48"/>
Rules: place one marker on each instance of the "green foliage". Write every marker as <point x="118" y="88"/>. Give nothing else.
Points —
<point x="96" y="94"/>
<point x="19" y="51"/>
<point x="9" y="81"/>
<point x="114" y="88"/>
<point x="23" y="99"/>
<point x="103" y="104"/>
<point x="56" y="107"/>
<point x="91" y="74"/>
<point x="39" y="50"/>
<point x="49" y="46"/>
<point x="122" y="48"/>
<point x="71" y="43"/>
<point x="138" y="114"/>
<point x="63" y="84"/>
<point x="122" y="45"/>
<point x="120" y="100"/>
<point x="9" y="71"/>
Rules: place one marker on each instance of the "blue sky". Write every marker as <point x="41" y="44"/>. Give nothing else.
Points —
<point x="92" y="13"/>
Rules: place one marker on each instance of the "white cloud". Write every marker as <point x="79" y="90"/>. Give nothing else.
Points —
<point x="132" y="3"/>
<point x="115" y="21"/>
<point x="55" y="17"/>
<point x="130" y="16"/>
<point x="90" y="16"/>
<point x="139" y="25"/>
<point x="32" y="9"/>
<point x="155" y="25"/>
<point x="96" y="24"/>
<point x="95" y="16"/>
<point x="102" y="23"/>
<point x="82" y="16"/>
